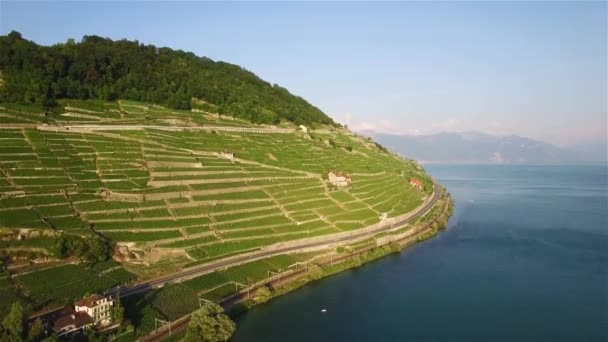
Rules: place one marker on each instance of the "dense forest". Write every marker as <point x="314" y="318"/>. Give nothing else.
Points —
<point x="99" y="68"/>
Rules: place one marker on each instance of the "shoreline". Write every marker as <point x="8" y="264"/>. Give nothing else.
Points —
<point x="244" y="300"/>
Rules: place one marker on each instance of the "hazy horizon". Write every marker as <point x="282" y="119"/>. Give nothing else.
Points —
<point x="531" y="69"/>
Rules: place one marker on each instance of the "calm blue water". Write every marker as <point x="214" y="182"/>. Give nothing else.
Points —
<point x="524" y="258"/>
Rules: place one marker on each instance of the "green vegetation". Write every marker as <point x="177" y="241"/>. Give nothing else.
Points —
<point x="174" y="301"/>
<point x="262" y="295"/>
<point x="210" y="324"/>
<point x="64" y="284"/>
<point x="141" y="313"/>
<point x="146" y="182"/>
<point x="39" y="75"/>
<point x="14" y="327"/>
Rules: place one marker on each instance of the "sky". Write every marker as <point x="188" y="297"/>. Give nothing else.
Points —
<point x="536" y="69"/>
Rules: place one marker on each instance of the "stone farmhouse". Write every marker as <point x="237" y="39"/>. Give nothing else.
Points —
<point x="87" y="312"/>
<point x="339" y="178"/>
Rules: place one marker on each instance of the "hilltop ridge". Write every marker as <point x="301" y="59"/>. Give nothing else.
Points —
<point x="103" y="69"/>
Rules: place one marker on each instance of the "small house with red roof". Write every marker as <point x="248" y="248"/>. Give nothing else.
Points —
<point x="416" y="183"/>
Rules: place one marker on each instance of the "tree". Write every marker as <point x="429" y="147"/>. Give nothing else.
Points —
<point x="394" y="246"/>
<point x="210" y="324"/>
<point x="93" y="249"/>
<point x="263" y="294"/>
<point x="13" y="322"/>
<point x="315" y="272"/>
<point x="99" y="68"/>
<point x="36" y="332"/>
<point x="98" y="249"/>
<point x="118" y="311"/>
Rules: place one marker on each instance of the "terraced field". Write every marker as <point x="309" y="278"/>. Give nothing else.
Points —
<point x="162" y="185"/>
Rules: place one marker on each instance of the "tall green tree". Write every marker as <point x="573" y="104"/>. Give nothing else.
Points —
<point x="36" y="332"/>
<point x="13" y="322"/>
<point x="210" y="324"/>
<point x="118" y="311"/>
<point x="263" y="294"/>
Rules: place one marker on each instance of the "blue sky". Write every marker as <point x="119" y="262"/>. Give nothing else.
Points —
<point x="534" y="69"/>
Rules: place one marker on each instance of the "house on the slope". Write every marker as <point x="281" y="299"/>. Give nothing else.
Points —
<point x="96" y="306"/>
<point x="69" y="321"/>
<point x="226" y="155"/>
<point x="339" y="178"/>
<point x="87" y="312"/>
<point x="416" y="183"/>
<point x="303" y="128"/>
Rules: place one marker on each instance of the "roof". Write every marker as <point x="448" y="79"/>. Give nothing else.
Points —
<point x="415" y="181"/>
<point x="89" y="301"/>
<point x="68" y="317"/>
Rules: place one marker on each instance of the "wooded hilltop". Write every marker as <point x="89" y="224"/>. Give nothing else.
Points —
<point x="100" y="68"/>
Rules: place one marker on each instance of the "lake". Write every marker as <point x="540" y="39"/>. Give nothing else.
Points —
<point x="524" y="258"/>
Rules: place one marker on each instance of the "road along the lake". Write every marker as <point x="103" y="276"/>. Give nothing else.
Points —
<point x="411" y="237"/>
<point x="326" y="242"/>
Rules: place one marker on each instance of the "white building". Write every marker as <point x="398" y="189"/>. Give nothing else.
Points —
<point x="226" y="155"/>
<point x="97" y="307"/>
<point x="304" y="128"/>
<point x="339" y="178"/>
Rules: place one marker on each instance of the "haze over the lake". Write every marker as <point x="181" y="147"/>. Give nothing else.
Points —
<point x="532" y="69"/>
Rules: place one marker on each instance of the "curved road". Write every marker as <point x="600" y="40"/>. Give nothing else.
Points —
<point x="204" y="269"/>
<point x="181" y="323"/>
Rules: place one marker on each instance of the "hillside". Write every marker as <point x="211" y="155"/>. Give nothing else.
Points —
<point x="99" y="68"/>
<point x="166" y="205"/>
<point x="156" y="190"/>
<point x="479" y="148"/>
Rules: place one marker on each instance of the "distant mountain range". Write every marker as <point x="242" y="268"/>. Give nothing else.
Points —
<point x="481" y="148"/>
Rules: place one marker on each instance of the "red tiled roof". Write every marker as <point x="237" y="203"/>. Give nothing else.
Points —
<point x="415" y="181"/>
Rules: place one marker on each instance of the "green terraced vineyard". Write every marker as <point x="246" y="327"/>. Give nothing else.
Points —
<point x="57" y="285"/>
<point x="159" y="183"/>
<point x="98" y="195"/>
